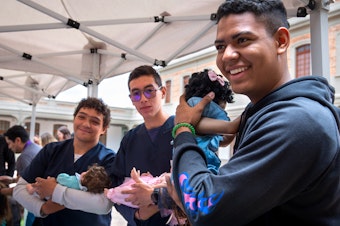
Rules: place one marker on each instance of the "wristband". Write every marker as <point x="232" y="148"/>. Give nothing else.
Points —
<point x="183" y="124"/>
<point x="155" y="196"/>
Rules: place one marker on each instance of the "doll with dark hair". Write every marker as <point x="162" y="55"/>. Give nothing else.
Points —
<point x="200" y="84"/>
<point x="94" y="180"/>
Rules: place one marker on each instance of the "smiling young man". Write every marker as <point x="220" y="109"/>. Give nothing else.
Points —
<point x="286" y="164"/>
<point x="75" y="155"/>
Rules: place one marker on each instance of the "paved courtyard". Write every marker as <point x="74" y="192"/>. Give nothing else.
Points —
<point x="117" y="219"/>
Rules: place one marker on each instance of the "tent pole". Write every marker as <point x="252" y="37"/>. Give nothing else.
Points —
<point x="319" y="40"/>
<point x="32" y="127"/>
<point x="92" y="89"/>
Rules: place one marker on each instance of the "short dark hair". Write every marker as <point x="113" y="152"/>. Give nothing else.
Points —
<point x="145" y="70"/>
<point x="96" y="179"/>
<point x="17" y="131"/>
<point x="96" y="104"/>
<point x="271" y="12"/>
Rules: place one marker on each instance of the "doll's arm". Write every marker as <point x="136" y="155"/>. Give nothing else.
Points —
<point x="215" y="126"/>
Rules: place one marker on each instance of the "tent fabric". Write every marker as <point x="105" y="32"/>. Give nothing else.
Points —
<point x="49" y="46"/>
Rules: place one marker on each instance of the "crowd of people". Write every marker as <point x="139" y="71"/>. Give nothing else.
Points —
<point x="285" y="167"/>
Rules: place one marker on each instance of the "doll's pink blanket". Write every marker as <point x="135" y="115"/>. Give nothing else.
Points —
<point x="116" y="196"/>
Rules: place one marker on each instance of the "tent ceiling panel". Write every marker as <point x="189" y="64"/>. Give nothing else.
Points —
<point x="114" y="37"/>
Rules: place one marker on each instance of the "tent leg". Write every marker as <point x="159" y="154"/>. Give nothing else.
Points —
<point x="319" y="41"/>
<point x="32" y="127"/>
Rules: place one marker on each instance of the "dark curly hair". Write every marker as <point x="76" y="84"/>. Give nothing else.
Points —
<point x="96" y="179"/>
<point x="200" y="85"/>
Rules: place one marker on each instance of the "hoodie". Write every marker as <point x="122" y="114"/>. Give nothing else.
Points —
<point x="285" y="169"/>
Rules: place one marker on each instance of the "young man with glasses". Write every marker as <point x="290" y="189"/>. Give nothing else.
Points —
<point x="148" y="146"/>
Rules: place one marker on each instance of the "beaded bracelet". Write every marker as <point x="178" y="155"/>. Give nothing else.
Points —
<point x="183" y="124"/>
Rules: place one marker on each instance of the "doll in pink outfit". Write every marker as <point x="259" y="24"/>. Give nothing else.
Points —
<point x="115" y="195"/>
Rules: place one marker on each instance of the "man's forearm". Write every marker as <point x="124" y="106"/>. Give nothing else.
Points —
<point x="32" y="203"/>
<point x="81" y="200"/>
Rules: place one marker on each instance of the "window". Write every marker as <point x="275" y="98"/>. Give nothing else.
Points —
<point x="168" y="91"/>
<point x="185" y="81"/>
<point x="4" y="126"/>
<point x="36" y="129"/>
<point x="302" y="60"/>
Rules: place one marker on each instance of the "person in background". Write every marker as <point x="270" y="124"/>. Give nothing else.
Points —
<point x="285" y="169"/>
<point x="37" y="140"/>
<point x="7" y="159"/>
<point x="18" y="141"/>
<point x="69" y="206"/>
<point x="47" y="138"/>
<point x="7" y="168"/>
<point x="63" y="133"/>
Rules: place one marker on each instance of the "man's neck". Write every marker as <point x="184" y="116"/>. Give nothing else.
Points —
<point x="156" y="121"/>
<point x="81" y="148"/>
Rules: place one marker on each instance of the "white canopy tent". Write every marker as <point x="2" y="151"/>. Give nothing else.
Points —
<point x="47" y="47"/>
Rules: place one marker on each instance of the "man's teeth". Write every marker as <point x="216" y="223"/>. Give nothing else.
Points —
<point x="238" y="70"/>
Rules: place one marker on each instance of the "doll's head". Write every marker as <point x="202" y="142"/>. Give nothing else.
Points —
<point x="201" y="83"/>
<point x="95" y="179"/>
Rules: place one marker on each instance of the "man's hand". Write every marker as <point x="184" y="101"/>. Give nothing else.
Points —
<point x="45" y="187"/>
<point x="6" y="179"/>
<point x="50" y="207"/>
<point x="140" y="194"/>
<point x="192" y="115"/>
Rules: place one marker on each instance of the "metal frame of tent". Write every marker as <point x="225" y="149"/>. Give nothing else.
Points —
<point x="316" y="9"/>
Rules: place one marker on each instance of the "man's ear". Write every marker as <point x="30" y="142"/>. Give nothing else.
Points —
<point x="17" y="139"/>
<point x="104" y="131"/>
<point x="163" y="89"/>
<point x="282" y="37"/>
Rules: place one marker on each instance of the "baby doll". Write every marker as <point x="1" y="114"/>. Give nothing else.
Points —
<point x="94" y="180"/>
<point x="115" y="195"/>
<point x="200" y="84"/>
